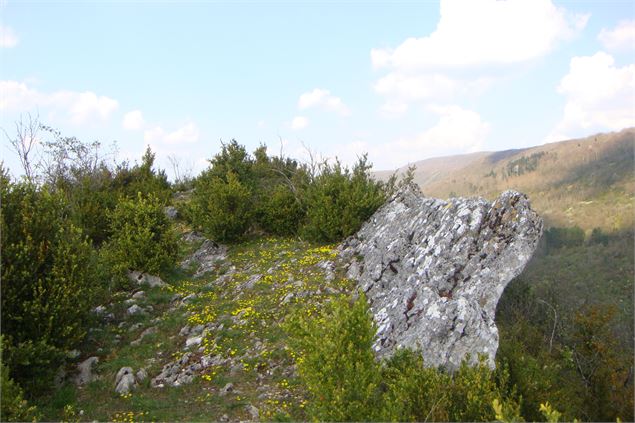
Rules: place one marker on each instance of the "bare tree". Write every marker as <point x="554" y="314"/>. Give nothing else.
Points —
<point x="25" y="140"/>
<point x="182" y="173"/>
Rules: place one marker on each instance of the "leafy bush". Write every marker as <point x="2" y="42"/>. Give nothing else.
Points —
<point x="222" y="207"/>
<point x="13" y="407"/>
<point x="337" y="364"/>
<point x="339" y="201"/>
<point x="48" y="281"/>
<point x="142" y="237"/>
<point x="344" y="382"/>
<point x="280" y="212"/>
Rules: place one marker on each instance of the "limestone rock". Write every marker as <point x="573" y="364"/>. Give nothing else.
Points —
<point x="205" y="258"/>
<point x="171" y="212"/>
<point x="85" y="374"/>
<point x="146" y="279"/>
<point x="253" y="412"/>
<point x="228" y="388"/>
<point x="434" y="270"/>
<point x="124" y="381"/>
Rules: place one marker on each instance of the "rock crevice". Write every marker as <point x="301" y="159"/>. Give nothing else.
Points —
<point x="434" y="270"/>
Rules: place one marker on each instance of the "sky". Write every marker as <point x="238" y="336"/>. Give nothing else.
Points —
<point x="400" y="80"/>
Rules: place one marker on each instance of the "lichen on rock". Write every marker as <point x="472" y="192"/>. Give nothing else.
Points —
<point x="434" y="270"/>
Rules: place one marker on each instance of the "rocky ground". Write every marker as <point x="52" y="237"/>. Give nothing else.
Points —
<point x="206" y="343"/>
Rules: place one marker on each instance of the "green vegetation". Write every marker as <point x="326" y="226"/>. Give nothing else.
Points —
<point x="319" y="201"/>
<point x="142" y="237"/>
<point x="48" y="282"/>
<point x="284" y="324"/>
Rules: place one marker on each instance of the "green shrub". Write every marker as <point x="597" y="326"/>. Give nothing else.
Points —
<point x="222" y="207"/>
<point x="49" y="281"/>
<point x="336" y="362"/>
<point x="142" y="237"/>
<point x="339" y="201"/>
<point x="280" y="212"/>
<point x="13" y="406"/>
<point x="413" y="392"/>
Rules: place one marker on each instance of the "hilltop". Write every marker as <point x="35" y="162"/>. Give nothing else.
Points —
<point x="586" y="182"/>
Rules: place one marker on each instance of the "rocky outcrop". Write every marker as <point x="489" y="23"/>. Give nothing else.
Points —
<point x="433" y="271"/>
<point x="208" y="256"/>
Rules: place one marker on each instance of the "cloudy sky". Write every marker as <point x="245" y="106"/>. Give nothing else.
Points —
<point x="403" y="80"/>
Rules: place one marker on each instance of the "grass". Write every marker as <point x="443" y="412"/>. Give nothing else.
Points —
<point x="251" y="339"/>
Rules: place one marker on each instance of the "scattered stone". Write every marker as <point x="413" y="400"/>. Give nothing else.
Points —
<point x="185" y="330"/>
<point x="99" y="310"/>
<point x="226" y="389"/>
<point x="141" y="375"/>
<point x="190" y="298"/>
<point x="251" y="282"/>
<point x="149" y="331"/>
<point x="196" y="340"/>
<point x="223" y="418"/>
<point x="130" y="301"/>
<point x="139" y="295"/>
<point x="146" y="279"/>
<point x="134" y="309"/>
<point x="253" y="412"/>
<point x="132" y="327"/>
<point x="124" y="381"/>
<point x="192" y="237"/>
<point x="84" y="369"/>
<point x="433" y="271"/>
<point x="205" y="258"/>
<point x="171" y="212"/>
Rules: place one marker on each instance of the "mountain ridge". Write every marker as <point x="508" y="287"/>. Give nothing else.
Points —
<point x="587" y="182"/>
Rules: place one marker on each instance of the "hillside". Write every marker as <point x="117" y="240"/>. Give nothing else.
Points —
<point x="588" y="182"/>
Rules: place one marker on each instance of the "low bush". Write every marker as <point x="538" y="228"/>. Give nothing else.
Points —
<point x="142" y="237"/>
<point x="223" y="207"/>
<point x="344" y="382"/>
<point x="49" y="281"/>
<point x="338" y="201"/>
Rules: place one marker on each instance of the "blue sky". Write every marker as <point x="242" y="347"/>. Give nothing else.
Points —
<point x="403" y="80"/>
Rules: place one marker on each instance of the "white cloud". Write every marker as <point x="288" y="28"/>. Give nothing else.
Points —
<point x="599" y="96"/>
<point x="622" y="37"/>
<point x="188" y="133"/>
<point x="8" y="38"/>
<point x="323" y="99"/>
<point x="484" y="32"/>
<point x="299" y="122"/>
<point x="392" y="109"/>
<point x="456" y="131"/>
<point x="473" y="42"/>
<point x="133" y="121"/>
<point x="80" y="107"/>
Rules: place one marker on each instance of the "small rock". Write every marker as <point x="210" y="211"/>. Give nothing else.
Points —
<point x="139" y="295"/>
<point x="133" y="327"/>
<point x="134" y="309"/>
<point x="189" y="298"/>
<point x="99" y="310"/>
<point x="185" y="330"/>
<point x="171" y="212"/>
<point x="150" y="331"/>
<point x="130" y="301"/>
<point x="226" y="389"/>
<point x="223" y="418"/>
<point x="141" y="375"/>
<point x="253" y="412"/>
<point x="124" y="381"/>
<point x="143" y="278"/>
<point x="195" y="340"/>
<point x="85" y="371"/>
